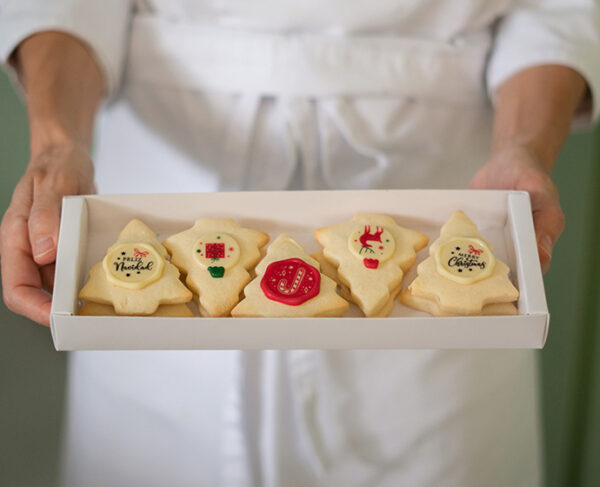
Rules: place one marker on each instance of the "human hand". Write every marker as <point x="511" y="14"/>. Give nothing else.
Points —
<point x="520" y="168"/>
<point x="29" y="229"/>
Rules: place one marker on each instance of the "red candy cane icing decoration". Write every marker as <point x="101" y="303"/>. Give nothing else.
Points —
<point x="291" y="281"/>
<point x="293" y="289"/>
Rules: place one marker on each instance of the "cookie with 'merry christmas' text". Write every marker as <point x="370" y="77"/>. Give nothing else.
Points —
<point x="461" y="276"/>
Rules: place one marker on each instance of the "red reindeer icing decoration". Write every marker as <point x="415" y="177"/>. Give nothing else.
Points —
<point x="367" y="236"/>
<point x="473" y="250"/>
<point x="139" y="253"/>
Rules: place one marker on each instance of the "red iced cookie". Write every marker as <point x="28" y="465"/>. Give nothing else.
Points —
<point x="291" y="281"/>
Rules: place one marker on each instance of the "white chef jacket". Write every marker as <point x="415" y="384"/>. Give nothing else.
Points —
<point x="212" y="95"/>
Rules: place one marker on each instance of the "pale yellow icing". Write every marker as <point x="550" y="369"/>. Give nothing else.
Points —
<point x="465" y="260"/>
<point x="133" y="265"/>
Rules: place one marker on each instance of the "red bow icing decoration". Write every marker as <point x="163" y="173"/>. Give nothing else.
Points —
<point x="140" y="253"/>
<point x="473" y="250"/>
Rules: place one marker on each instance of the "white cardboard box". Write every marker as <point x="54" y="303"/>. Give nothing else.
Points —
<point x="90" y="224"/>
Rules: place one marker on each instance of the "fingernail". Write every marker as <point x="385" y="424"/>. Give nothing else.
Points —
<point x="546" y="245"/>
<point x="43" y="246"/>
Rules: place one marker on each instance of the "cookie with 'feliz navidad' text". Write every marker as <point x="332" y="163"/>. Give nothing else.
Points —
<point x="135" y="276"/>
<point x="164" y="310"/>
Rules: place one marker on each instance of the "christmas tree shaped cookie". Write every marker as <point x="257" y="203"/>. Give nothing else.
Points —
<point x="330" y="271"/>
<point x="135" y="276"/>
<point x="164" y="310"/>
<point x="216" y="255"/>
<point x="371" y="254"/>
<point x="461" y="276"/>
<point x="431" y="306"/>
<point x="288" y="284"/>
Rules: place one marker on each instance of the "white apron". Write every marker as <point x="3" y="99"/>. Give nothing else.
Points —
<point x="297" y="418"/>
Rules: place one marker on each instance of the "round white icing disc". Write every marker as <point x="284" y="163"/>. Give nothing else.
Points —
<point x="371" y="244"/>
<point x="216" y="250"/>
<point x="465" y="260"/>
<point x="133" y="265"/>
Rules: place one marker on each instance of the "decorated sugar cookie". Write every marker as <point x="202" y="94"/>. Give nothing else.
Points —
<point x="135" y="276"/>
<point x="289" y="283"/>
<point x="164" y="310"/>
<point x="431" y="306"/>
<point x="330" y="271"/>
<point x="371" y="254"/>
<point x="461" y="276"/>
<point x="216" y="255"/>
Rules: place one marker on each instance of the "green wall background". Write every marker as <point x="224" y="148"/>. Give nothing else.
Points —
<point x="32" y="374"/>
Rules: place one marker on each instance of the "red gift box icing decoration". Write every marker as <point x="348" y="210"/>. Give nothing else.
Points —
<point x="214" y="250"/>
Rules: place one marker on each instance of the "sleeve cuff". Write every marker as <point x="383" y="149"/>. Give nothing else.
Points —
<point x="103" y="26"/>
<point x="584" y="60"/>
<point x="561" y="33"/>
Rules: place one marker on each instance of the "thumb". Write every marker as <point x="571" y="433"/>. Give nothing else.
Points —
<point x="44" y="222"/>
<point x="549" y="222"/>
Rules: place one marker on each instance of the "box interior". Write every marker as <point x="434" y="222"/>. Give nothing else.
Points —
<point x="92" y="224"/>
<point x="107" y="215"/>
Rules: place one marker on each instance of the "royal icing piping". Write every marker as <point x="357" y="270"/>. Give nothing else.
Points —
<point x="216" y="252"/>
<point x="372" y="245"/>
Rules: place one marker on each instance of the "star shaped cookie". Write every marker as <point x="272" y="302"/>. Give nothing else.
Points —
<point x="216" y="255"/>
<point x="135" y="275"/>
<point x="288" y="283"/>
<point x="461" y="276"/>
<point x="371" y="254"/>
